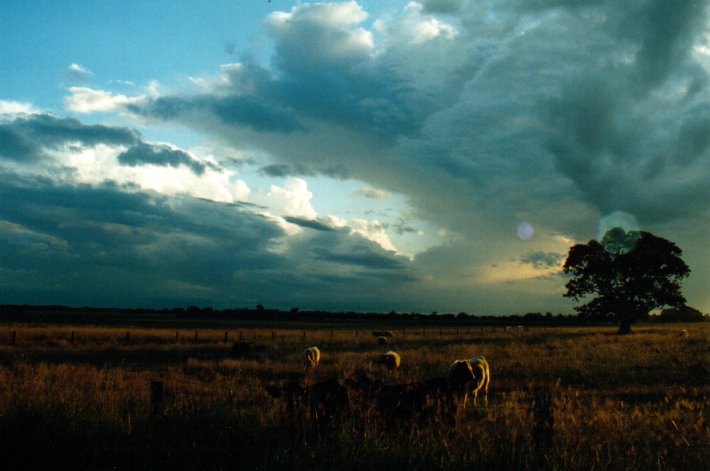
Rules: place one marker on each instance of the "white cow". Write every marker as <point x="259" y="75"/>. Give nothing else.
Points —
<point x="469" y="377"/>
<point x="311" y="357"/>
<point x="391" y="360"/>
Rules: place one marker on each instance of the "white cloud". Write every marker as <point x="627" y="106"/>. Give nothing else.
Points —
<point x="88" y="100"/>
<point x="79" y="72"/>
<point x="291" y="199"/>
<point x="97" y="165"/>
<point x="373" y="231"/>
<point x="322" y="32"/>
<point x="415" y="27"/>
<point x="12" y="108"/>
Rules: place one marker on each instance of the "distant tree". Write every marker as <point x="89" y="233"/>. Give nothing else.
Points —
<point x="681" y="314"/>
<point x="630" y="273"/>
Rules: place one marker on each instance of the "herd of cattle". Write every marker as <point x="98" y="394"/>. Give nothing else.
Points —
<point x="321" y="401"/>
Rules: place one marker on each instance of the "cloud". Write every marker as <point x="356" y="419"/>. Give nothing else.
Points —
<point x="79" y="73"/>
<point x="487" y="117"/>
<point x="88" y="100"/>
<point x="372" y="193"/>
<point x="27" y="138"/>
<point x="230" y="111"/>
<point x="543" y="259"/>
<point x="164" y="155"/>
<point x="309" y="223"/>
<point x="10" y="108"/>
<point x="107" y="245"/>
<point x="325" y="33"/>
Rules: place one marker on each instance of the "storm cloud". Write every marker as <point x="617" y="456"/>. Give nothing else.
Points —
<point x="483" y="117"/>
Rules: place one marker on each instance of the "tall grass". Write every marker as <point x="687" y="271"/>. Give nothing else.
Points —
<point x="631" y="402"/>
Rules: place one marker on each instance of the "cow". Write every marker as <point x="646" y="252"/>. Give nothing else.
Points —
<point x="311" y="358"/>
<point x="468" y="377"/>
<point x="391" y="360"/>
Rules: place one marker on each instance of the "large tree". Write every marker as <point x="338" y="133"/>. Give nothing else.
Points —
<point x="630" y="273"/>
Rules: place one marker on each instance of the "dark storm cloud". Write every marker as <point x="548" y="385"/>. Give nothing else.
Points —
<point x="142" y="153"/>
<point x="15" y="146"/>
<point x="559" y="98"/>
<point x="24" y="138"/>
<point x="363" y="256"/>
<point x="232" y="111"/>
<point x="442" y="6"/>
<point x="548" y="111"/>
<point x="308" y="223"/>
<point x="50" y="131"/>
<point x="113" y="245"/>
<point x="285" y="170"/>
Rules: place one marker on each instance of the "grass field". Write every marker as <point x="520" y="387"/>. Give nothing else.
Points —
<point x="79" y="397"/>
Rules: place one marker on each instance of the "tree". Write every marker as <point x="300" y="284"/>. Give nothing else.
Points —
<point x="631" y="273"/>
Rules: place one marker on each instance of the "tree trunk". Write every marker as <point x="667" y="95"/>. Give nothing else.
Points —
<point x="624" y="326"/>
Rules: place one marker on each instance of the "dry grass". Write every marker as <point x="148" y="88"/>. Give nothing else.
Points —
<point x="618" y="402"/>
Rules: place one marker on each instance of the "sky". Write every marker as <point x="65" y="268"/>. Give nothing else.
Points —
<point x="440" y="155"/>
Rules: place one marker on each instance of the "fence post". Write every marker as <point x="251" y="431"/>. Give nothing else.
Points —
<point x="240" y="335"/>
<point x="177" y="336"/>
<point x="542" y="428"/>
<point x="195" y="336"/>
<point x="14" y="338"/>
<point x="72" y="337"/>
<point x="128" y="338"/>
<point x="225" y="337"/>
<point x="157" y="397"/>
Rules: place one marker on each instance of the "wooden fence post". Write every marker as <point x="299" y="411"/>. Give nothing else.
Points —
<point x="196" y="337"/>
<point x="14" y="338"/>
<point x="225" y="337"/>
<point x="128" y="338"/>
<point x="240" y="335"/>
<point x="542" y="428"/>
<point x="177" y="336"/>
<point x="157" y="397"/>
<point x="72" y="337"/>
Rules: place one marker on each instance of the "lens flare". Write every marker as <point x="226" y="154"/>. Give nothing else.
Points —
<point x="614" y="219"/>
<point x="525" y="231"/>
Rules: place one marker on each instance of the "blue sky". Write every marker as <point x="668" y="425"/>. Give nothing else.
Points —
<point x="417" y="156"/>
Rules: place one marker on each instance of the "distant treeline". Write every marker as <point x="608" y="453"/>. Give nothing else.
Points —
<point x="47" y="313"/>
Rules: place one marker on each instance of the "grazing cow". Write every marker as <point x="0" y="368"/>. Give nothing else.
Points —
<point x="390" y="360"/>
<point x="683" y="333"/>
<point x="469" y="377"/>
<point x="519" y="329"/>
<point x="311" y="358"/>
<point x="382" y="341"/>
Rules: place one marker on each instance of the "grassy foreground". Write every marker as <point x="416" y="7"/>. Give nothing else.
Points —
<point x="78" y="397"/>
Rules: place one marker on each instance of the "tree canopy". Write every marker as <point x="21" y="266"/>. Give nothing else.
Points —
<point x="630" y="273"/>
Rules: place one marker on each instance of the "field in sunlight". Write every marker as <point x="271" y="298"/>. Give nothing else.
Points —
<point x="79" y="397"/>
